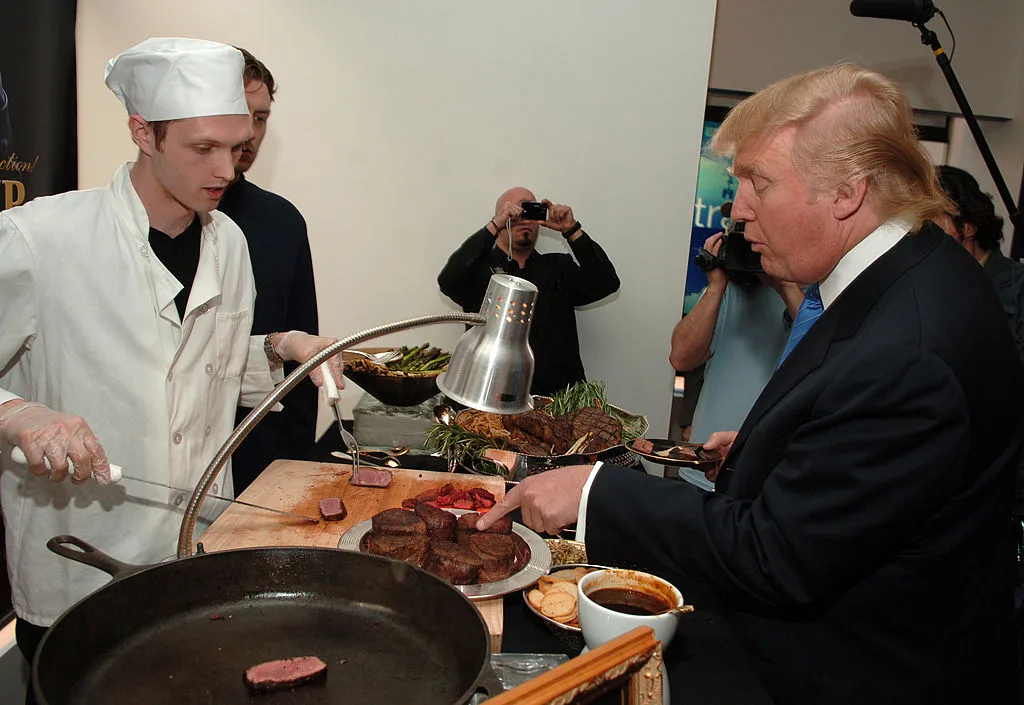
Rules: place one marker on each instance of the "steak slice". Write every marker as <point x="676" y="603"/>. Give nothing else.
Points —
<point x="284" y="674"/>
<point x="411" y="548"/>
<point x="371" y="477"/>
<point x="496" y="552"/>
<point x="643" y="445"/>
<point x="333" y="509"/>
<point x="397" y="522"/>
<point x="456" y="564"/>
<point x="605" y="431"/>
<point x="440" y="524"/>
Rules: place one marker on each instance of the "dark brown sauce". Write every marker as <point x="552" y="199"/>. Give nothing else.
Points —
<point x="629" y="601"/>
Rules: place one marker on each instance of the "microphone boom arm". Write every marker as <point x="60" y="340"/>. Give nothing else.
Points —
<point x="929" y="38"/>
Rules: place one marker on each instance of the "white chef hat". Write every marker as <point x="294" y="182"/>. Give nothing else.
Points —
<point x="171" y="78"/>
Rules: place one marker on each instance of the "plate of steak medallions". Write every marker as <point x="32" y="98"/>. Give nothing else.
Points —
<point x="480" y="564"/>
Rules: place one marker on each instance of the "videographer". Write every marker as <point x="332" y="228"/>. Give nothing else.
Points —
<point x="738" y="328"/>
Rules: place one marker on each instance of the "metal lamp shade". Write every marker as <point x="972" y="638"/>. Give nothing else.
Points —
<point x="491" y="367"/>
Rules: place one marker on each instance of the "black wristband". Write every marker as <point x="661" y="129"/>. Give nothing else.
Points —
<point x="573" y="230"/>
<point x="496" y="226"/>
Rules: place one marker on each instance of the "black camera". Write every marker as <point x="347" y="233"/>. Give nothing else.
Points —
<point x="534" y="210"/>
<point x="735" y="255"/>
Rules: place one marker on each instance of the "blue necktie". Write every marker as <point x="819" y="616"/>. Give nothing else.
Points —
<point x="810" y="310"/>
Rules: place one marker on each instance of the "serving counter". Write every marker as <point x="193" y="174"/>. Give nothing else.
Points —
<point x="297" y="486"/>
<point x="705" y="662"/>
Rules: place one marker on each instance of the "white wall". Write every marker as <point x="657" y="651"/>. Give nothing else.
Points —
<point x="397" y="124"/>
<point x="760" y="42"/>
<point x="757" y="43"/>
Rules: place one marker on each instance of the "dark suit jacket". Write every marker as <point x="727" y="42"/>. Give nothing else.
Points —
<point x="285" y="300"/>
<point x="860" y="536"/>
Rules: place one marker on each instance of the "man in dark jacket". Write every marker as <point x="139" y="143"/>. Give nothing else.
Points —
<point x="859" y="533"/>
<point x="285" y="292"/>
<point x="507" y="244"/>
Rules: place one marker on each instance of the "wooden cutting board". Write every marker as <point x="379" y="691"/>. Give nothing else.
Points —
<point x="298" y="486"/>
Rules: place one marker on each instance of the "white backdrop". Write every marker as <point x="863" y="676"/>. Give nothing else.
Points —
<point x="397" y="124"/>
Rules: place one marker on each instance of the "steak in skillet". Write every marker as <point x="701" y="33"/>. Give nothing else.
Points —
<point x="284" y="674"/>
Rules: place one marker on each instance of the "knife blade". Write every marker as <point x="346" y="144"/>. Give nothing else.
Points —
<point x="116" y="475"/>
<point x="225" y="499"/>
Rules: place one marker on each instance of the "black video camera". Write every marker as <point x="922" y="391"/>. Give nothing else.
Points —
<point x="735" y="255"/>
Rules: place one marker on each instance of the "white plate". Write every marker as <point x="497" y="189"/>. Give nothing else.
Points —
<point x="538" y="565"/>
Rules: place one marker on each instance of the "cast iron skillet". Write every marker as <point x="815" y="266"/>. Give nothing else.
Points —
<point x="185" y="631"/>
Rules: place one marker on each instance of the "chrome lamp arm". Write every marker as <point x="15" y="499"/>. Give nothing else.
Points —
<point x="188" y="522"/>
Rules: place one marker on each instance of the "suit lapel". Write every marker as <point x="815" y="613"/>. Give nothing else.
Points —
<point x="840" y="321"/>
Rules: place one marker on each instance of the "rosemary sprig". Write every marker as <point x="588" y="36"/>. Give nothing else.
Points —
<point x="576" y="397"/>
<point x="453" y="441"/>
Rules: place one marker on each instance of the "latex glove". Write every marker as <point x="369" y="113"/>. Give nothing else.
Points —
<point x="299" y="346"/>
<point x="47" y="435"/>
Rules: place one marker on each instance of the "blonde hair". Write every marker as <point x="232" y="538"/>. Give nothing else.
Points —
<point x="852" y="123"/>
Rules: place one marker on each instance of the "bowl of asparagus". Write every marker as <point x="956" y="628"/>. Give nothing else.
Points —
<point x="408" y="379"/>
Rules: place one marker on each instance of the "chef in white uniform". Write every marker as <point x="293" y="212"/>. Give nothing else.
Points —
<point x="113" y="347"/>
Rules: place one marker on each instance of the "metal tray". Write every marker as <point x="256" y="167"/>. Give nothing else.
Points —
<point x="526" y="465"/>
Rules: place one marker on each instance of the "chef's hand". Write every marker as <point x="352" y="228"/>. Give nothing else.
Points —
<point x="722" y="442"/>
<point x="550" y="500"/>
<point x="298" y="346"/>
<point x="47" y="435"/>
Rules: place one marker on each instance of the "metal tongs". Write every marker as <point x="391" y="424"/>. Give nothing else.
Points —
<point x="332" y="396"/>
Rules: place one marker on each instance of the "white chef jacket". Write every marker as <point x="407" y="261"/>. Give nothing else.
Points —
<point x="88" y="326"/>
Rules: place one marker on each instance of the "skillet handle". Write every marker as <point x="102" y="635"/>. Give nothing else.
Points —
<point x="90" y="555"/>
<point x="488" y="683"/>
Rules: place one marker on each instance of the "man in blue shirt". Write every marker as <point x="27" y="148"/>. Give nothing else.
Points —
<point x="739" y="330"/>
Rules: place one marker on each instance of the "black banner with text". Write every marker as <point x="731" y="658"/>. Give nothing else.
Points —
<point x="38" y="100"/>
<point x="38" y="120"/>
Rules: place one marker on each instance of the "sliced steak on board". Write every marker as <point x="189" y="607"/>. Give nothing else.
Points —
<point x="333" y="509"/>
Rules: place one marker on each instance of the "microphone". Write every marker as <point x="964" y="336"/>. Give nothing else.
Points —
<point x="915" y="11"/>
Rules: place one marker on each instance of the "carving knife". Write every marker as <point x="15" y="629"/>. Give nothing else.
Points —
<point x="116" y="475"/>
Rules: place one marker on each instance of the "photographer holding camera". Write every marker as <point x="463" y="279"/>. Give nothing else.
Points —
<point x="507" y="243"/>
<point x="738" y="328"/>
